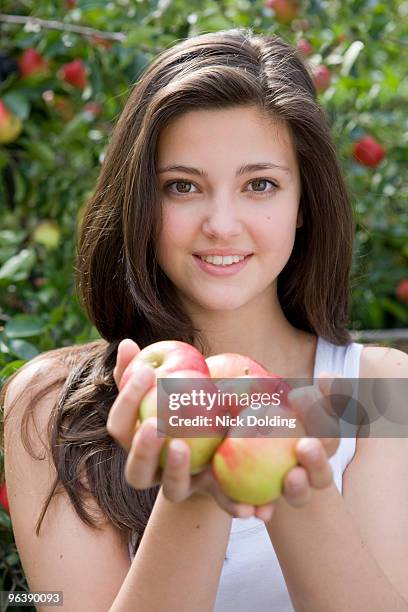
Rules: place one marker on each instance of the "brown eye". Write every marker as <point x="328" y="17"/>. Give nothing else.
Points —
<point x="263" y="181"/>
<point x="184" y="189"/>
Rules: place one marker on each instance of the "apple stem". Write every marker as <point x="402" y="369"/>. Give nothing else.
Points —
<point x="246" y="371"/>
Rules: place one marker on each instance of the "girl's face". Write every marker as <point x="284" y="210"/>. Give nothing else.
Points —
<point x="216" y="205"/>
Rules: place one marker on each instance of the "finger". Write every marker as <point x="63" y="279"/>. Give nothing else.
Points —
<point x="176" y="473"/>
<point x="312" y="456"/>
<point x="314" y="411"/>
<point x="296" y="490"/>
<point x="124" y="411"/>
<point x="232" y="507"/>
<point x="205" y="482"/>
<point x="325" y="381"/>
<point x="142" y="469"/>
<point x="337" y="389"/>
<point x="330" y="445"/>
<point x="264" y="512"/>
<point x="127" y="350"/>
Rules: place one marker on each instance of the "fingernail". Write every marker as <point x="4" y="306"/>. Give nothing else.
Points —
<point x="266" y="515"/>
<point x="177" y="452"/>
<point x="303" y="397"/>
<point x="309" y="448"/>
<point x="149" y="431"/>
<point x="296" y="487"/>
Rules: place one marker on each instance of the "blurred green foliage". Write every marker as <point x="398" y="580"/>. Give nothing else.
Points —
<point x="49" y="170"/>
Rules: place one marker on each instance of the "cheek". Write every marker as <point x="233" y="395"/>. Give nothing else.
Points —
<point x="277" y="232"/>
<point x="175" y="230"/>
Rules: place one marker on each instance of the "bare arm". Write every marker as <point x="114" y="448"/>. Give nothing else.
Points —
<point x="180" y="558"/>
<point x="350" y="552"/>
<point x="92" y="568"/>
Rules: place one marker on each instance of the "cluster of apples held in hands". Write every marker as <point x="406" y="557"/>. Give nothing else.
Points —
<point x="248" y="469"/>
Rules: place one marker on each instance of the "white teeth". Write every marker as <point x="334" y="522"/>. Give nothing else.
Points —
<point x="218" y="260"/>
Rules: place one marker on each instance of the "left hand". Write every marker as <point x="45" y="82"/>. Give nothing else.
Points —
<point x="317" y="410"/>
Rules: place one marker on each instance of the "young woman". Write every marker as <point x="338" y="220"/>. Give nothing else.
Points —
<point x="222" y="149"/>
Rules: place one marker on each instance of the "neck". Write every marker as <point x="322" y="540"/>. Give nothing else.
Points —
<point x="261" y="333"/>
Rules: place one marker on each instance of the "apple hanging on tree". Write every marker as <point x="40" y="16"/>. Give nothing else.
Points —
<point x="402" y="290"/>
<point x="321" y="77"/>
<point x="305" y="47"/>
<point x="285" y="10"/>
<point x="10" y="125"/>
<point x="74" y="73"/>
<point x="368" y="151"/>
<point x="3" y="497"/>
<point x="31" y="62"/>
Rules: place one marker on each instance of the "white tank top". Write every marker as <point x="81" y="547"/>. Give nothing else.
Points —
<point x="250" y="553"/>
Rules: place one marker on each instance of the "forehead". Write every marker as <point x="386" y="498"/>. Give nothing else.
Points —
<point x="210" y="135"/>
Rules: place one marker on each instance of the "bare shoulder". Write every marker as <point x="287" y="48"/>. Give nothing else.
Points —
<point x="383" y="362"/>
<point x="378" y="365"/>
<point x="42" y="377"/>
<point x="66" y="554"/>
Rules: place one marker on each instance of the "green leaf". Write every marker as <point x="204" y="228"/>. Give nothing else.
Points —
<point x="5" y="520"/>
<point x="18" y="267"/>
<point x="398" y="310"/>
<point x="12" y="237"/>
<point x="25" y="326"/>
<point x="17" y="103"/>
<point x="10" y="368"/>
<point x="23" y="349"/>
<point x="41" y="152"/>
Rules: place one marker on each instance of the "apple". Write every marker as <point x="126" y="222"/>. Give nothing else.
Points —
<point x="74" y="73"/>
<point x="10" y="125"/>
<point x="3" y="498"/>
<point x="251" y="470"/>
<point x="304" y="47"/>
<point x="368" y="151"/>
<point x="271" y="384"/>
<point x="402" y="290"/>
<point x="168" y="356"/>
<point x="31" y="62"/>
<point x="285" y="10"/>
<point x="48" y="234"/>
<point x="93" y="109"/>
<point x="232" y="365"/>
<point x="321" y="77"/>
<point x="202" y="448"/>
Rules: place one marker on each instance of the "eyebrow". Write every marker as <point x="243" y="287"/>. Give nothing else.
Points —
<point x="242" y="170"/>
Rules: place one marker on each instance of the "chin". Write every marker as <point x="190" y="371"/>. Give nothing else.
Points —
<point x="219" y="303"/>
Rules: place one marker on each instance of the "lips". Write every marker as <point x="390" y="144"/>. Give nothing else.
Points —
<point x="222" y="252"/>
<point x="221" y="270"/>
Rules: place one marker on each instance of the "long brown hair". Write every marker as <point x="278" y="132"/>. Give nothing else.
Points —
<point x="126" y="294"/>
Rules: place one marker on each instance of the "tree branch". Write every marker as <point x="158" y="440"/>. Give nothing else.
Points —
<point x="65" y="27"/>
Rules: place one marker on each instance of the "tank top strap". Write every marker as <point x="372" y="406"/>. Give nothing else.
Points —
<point x="341" y="361"/>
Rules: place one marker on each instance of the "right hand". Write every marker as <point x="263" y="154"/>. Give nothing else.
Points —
<point x="142" y="468"/>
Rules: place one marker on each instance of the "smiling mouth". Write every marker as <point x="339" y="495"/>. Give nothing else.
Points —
<point x="220" y="269"/>
<point x="242" y="258"/>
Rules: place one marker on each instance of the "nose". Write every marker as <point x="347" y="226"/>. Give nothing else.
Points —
<point x="221" y="221"/>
